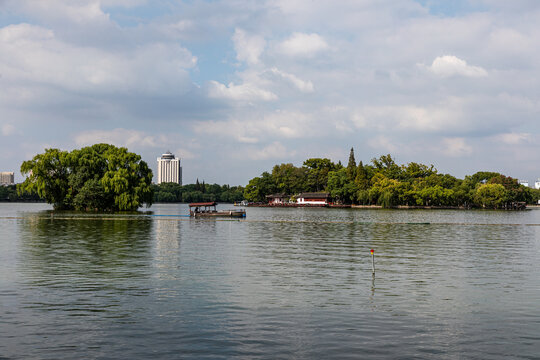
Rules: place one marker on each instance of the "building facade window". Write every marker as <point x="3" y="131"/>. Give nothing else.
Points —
<point x="169" y="169"/>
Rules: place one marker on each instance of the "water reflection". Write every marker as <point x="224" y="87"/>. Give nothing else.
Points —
<point x="281" y="284"/>
<point x="84" y="266"/>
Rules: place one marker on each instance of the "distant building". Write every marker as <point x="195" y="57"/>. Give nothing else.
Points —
<point x="277" y="199"/>
<point x="524" y="183"/>
<point x="313" y="199"/>
<point x="7" y="178"/>
<point x="537" y="184"/>
<point x="169" y="169"/>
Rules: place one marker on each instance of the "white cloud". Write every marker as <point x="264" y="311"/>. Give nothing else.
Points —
<point x="456" y="147"/>
<point x="248" y="47"/>
<point x="383" y="144"/>
<point x="183" y="153"/>
<point x="119" y="137"/>
<point x="74" y="11"/>
<point x="300" y="44"/>
<point x="303" y="86"/>
<point x="243" y="92"/>
<point x="444" y="116"/>
<point x="273" y="151"/>
<point x="278" y="124"/>
<point x="514" y="138"/>
<point x="449" y="65"/>
<point x="8" y="129"/>
<point x="150" y="68"/>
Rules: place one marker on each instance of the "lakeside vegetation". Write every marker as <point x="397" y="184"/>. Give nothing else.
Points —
<point x="9" y="193"/>
<point x="176" y="193"/>
<point x="98" y="177"/>
<point x="106" y="178"/>
<point x="383" y="182"/>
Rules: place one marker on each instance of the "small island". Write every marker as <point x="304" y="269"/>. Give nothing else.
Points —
<point x="384" y="183"/>
<point x="100" y="177"/>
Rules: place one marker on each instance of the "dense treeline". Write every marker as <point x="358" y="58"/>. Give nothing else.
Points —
<point x="97" y="177"/>
<point x="9" y="193"/>
<point x="171" y="192"/>
<point x="385" y="183"/>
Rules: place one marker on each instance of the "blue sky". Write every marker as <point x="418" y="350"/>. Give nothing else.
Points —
<point x="235" y="87"/>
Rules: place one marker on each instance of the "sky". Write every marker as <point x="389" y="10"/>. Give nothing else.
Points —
<point x="235" y="87"/>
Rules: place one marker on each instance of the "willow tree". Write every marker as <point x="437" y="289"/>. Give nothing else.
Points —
<point x="97" y="177"/>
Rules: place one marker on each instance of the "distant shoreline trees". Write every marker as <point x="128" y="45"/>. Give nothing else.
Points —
<point x="385" y="183"/>
<point x="176" y="193"/>
<point x="98" y="177"/>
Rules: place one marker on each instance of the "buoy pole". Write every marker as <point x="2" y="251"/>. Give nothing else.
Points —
<point x="373" y="261"/>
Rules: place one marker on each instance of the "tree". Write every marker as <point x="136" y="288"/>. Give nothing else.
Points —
<point x="361" y="180"/>
<point x="317" y="173"/>
<point x="48" y="177"/>
<point x="259" y="187"/>
<point x="490" y="195"/>
<point x="98" y="177"/>
<point x="340" y="187"/>
<point x="387" y="166"/>
<point x="289" y="179"/>
<point x="351" y="166"/>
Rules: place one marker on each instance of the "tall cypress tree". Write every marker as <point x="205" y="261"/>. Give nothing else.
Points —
<point x="351" y="166"/>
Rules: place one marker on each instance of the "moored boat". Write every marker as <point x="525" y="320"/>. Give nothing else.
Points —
<point x="208" y="209"/>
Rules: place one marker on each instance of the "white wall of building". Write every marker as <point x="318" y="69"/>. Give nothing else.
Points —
<point x="7" y="178"/>
<point x="169" y="169"/>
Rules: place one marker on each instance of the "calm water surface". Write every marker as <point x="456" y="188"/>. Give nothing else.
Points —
<point x="284" y="283"/>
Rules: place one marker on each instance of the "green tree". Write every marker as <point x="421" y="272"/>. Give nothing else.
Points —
<point x="317" y="173"/>
<point x="361" y="180"/>
<point x="351" y="166"/>
<point x="340" y="187"/>
<point x="258" y="187"/>
<point x="289" y="179"/>
<point x="48" y="177"/>
<point x="490" y="195"/>
<point x="386" y="165"/>
<point x="98" y="177"/>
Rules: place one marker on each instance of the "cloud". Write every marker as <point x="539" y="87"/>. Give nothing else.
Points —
<point x="151" y="68"/>
<point x="243" y="92"/>
<point x="248" y="47"/>
<point x="444" y="116"/>
<point x="119" y="137"/>
<point x="514" y="138"/>
<point x="185" y="154"/>
<point x="274" y="150"/>
<point x="8" y="129"/>
<point x="303" y="45"/>
<point x="449" y="65"/>
<point x="383" y="144"/>
<point x="456" y="147"/>
<point x="303" y="86"/>
<point x="278" y="124"/>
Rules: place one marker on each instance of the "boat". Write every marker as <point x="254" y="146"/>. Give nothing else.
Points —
<point x="208" y="209"/>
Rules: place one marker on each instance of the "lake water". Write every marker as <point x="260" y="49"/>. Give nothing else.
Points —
<point x="283" y="283"/>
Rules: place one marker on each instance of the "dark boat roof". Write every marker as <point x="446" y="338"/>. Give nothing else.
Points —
<point x="213" y="203"/>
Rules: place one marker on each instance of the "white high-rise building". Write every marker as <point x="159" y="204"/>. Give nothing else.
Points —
<point x="7" y="178"/>
<point x="537" y="184"/>
<point x="169" y="169"/>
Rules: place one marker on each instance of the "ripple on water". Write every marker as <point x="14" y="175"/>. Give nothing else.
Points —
<point x="286" y="283"/>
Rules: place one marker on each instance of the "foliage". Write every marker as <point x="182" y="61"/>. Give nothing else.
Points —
<point x="388" y="184"/>
<point x="97" y="177"/>
<point x="317" y="173"/>
<point x="490" y="195"/>
<point x="9" y="193"/>
<point x="340" y="187"/>
<point x="173" y="193"/>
